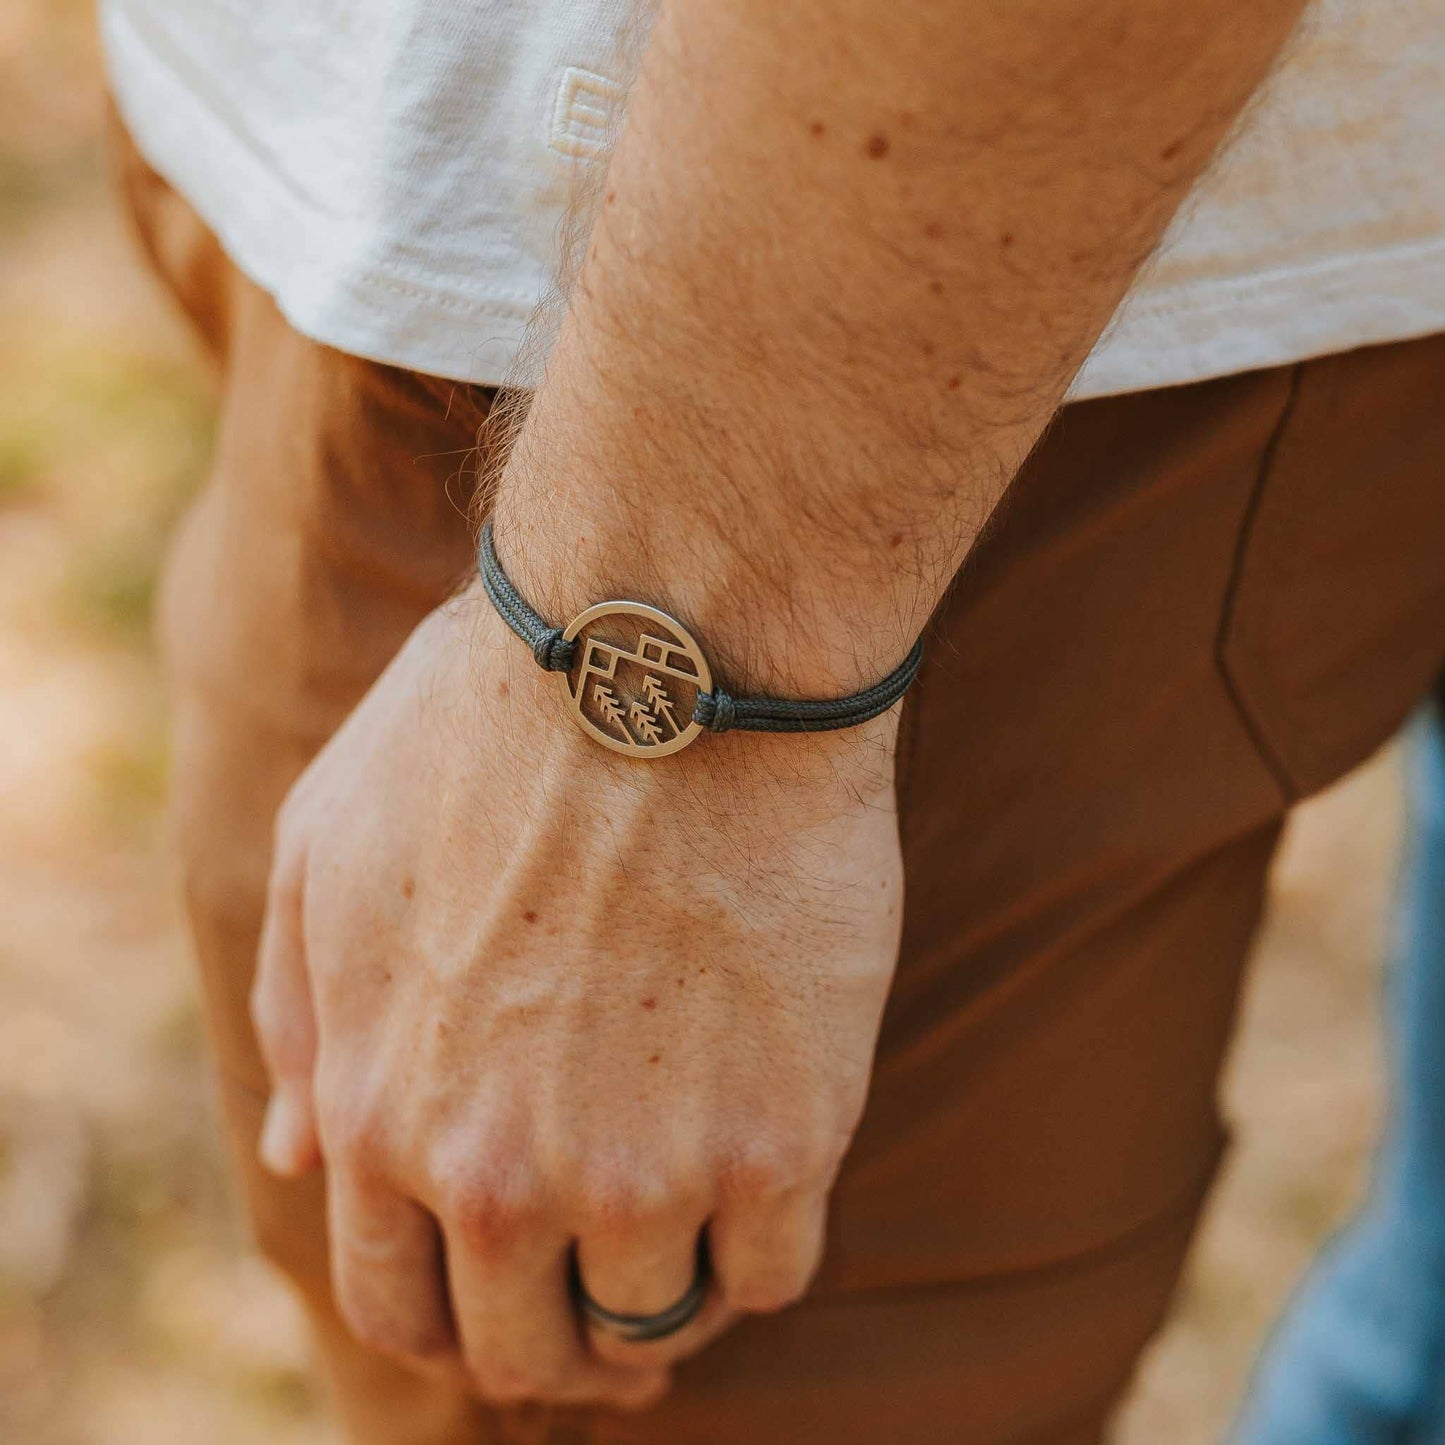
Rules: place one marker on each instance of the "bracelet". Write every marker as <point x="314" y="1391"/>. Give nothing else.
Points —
<point x="639" y="683"/>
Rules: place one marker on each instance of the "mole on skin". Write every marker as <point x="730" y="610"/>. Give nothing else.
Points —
<point x="877" y="145"/>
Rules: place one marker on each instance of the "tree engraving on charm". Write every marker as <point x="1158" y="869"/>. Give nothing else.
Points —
<point x="635" y="677"/>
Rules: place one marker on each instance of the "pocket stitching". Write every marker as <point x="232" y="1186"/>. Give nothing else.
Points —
<point x="1253" y="723"/>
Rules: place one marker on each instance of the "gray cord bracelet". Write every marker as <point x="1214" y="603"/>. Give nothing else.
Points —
<point x="640" y="684"/>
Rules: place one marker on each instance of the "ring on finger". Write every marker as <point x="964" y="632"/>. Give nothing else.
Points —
<point x="639" y="1329"/>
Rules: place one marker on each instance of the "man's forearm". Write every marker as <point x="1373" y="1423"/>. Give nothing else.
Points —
<point x="848" y="260"/>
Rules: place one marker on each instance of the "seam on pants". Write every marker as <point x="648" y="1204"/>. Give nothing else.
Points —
<point x="1252" y="724"/>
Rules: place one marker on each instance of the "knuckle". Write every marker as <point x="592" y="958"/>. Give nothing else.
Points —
<point x="614" y="1198"/>
<point x="767" y="1168"/>
<point x="354" y="1134"/>
<point x="631" y="1200"/>
<point x="486" y="1204"/>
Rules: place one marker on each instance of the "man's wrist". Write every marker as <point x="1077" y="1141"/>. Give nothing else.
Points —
<point x="728" y="772"/>
<point x="772" y="622"/>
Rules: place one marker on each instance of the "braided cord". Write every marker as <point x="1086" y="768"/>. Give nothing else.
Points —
<point x="549" y="647"/>
<point x="718" y="711"/>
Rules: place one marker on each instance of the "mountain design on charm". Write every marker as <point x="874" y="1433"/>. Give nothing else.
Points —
<point x="649" y="715"/>
<point x="636" y="678"/>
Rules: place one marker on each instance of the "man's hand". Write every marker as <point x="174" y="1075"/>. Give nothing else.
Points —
<point x="847" y="260"/>
<point x="565" y="999"/>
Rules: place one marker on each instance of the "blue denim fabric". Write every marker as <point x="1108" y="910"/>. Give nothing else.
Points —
<point x="1359" y="1358"/>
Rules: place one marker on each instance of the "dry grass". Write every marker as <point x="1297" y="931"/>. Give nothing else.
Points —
<point x="129" y="1311"/>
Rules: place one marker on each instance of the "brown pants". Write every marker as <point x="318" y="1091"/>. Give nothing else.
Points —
<point x="1196" y="606"/>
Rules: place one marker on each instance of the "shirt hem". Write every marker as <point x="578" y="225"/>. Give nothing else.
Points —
<point x="305" y="260"/>
<point x="1201" y="330"/>
<point x="470" y="330"/>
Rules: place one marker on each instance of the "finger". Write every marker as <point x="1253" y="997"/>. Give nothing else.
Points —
<point x="287" y="1145"/>
<point x="387" y="1270"/>
<point x="518" y="1325"/>
<point x="765" y="1254"/>
<point x="641" y="1269"/>
<point x="285" y="1021"/>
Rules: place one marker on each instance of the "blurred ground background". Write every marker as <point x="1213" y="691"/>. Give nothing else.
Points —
<point x="130" y="1313"/>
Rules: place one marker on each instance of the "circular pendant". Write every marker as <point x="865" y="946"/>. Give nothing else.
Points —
<point x="635" y="677"/>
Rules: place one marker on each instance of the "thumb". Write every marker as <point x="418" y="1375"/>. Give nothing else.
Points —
<point x="288" y="1145"/>
<point x="285" y="1020"/>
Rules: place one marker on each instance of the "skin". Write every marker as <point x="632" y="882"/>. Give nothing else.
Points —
<point x="523" y="995"/>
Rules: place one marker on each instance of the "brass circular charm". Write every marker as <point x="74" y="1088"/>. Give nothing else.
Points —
<point x="635" y="677"/>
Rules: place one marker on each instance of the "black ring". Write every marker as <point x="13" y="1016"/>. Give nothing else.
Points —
<point x="638" y="1329"/>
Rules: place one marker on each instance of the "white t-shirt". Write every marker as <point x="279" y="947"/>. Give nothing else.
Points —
<point x="393" y="173"/>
